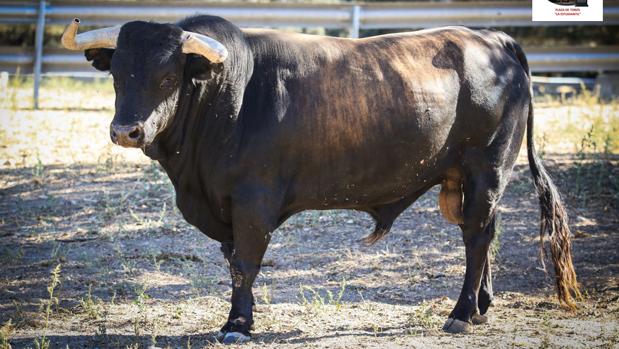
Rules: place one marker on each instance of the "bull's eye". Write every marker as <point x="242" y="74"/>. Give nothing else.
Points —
<point x="168" y="83"/>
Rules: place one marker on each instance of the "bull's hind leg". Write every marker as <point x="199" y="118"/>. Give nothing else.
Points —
<point x="483" y="186"/>
<point x="486" y="170"/>
<point x="486" y="295"/>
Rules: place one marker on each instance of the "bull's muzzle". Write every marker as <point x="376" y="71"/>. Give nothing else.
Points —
<point x="131" y="136"/>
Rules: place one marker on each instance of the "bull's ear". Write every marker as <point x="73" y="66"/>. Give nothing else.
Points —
<point x="101" y="58"/>
<point x="201" y="68"/>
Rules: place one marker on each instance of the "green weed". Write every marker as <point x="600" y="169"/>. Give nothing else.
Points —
<point x="128" y="265"/>
<point x="594" y="175"/>
<point x="546" y="329"/>
<point x="178" y="312"/>
<point x="47" y="305"/>
<point x="6" y="332"/>
<point x="424" y="318"/>
<point x="39" y="169"/>
<point x="58" y="253"/>
<point x="317" y="301"/>
<point x="202" y="283"/>
<point x="17" y="85"/>
<point x="107" y="161"/>
<point x="91" y="305"/>
<point x="265" y="294"/>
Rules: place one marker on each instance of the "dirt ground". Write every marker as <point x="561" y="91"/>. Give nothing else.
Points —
<point x="132" y="273"/>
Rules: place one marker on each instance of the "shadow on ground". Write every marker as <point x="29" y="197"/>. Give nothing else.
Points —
<point x="119" y="239"/>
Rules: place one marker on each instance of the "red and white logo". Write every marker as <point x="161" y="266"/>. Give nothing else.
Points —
<point x="568" y="10"/>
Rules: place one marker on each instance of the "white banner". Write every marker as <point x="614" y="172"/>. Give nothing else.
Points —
<point x="568" y="10"/>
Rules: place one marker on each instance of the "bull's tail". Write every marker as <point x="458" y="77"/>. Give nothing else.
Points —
<point x="553" y="214"/>
<point x="553" y="223"/>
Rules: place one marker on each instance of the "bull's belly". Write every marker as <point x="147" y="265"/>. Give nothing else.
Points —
<point x="371" y="182"/>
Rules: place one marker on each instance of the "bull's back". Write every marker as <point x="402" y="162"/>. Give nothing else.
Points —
<point x="385" y="113"/>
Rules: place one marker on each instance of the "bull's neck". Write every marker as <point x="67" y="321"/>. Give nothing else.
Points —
<point x="201" y="132"/>
<point x="205" y="132"/>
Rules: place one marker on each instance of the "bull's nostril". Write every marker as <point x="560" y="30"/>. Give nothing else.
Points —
<point x="127" y="136"/>
<point x="135" y="133"/>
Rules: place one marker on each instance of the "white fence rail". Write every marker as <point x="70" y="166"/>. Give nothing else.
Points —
<point x="354" y="17"/>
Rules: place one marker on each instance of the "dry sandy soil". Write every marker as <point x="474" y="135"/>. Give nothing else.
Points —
<point x="134" y="274"/>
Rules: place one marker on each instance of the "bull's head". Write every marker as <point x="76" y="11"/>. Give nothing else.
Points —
<point x="147" y="63"/>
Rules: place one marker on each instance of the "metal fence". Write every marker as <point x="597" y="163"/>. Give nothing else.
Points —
<point x="353" y="17"/>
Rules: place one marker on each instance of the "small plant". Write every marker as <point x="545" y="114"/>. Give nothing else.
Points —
<point x="113" y="205"/>
<point x="6" y="331"/>
<point x="141" y="316"/>
<point x="90" y="305"/>
<point x="47" y="305"/>
<point x="153" y="336"/>
<point x="127" y="264"/>
<point x="58" y="253"/>
<point x="594" y="174"/>
<point x="541" y="142"/>
<point x="425" y="318"/>
<point x="150" y="223"/>
<point x="377" y="329"/>
<point x="317" y="301"/>
<point x="337" y="300"/>
<point x="101" y="330"/>
<point x="265" y="294"/>
<point x="39" y="169"/>
<point x="178" y="312"/>
<point x="107" y="161"/>
<point x="38" y="172"/>
<point x="156" y="261"/>
<point x="613" y="340"/>
<point x="16" y="84"/>
<point x="586" y="97"/>
<point x="199" y="281"/>
<point x="546" y="329"/>
<point x="141" y="296"/>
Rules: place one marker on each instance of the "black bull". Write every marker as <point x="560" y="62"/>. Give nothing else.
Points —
<point x="292" y="122"/>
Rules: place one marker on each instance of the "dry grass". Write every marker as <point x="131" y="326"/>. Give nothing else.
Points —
<point x="134" y="274"/>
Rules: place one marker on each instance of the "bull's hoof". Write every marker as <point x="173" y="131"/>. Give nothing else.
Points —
<point x="235" y="338"/>
<point x="457" y="326"/>
<point x="477" y="319"/>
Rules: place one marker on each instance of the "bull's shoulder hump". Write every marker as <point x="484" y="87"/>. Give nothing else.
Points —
<point x="278" y="35"/>
<point x="296" y="46"/>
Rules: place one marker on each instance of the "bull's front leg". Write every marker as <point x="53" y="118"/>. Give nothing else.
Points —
<point x="252" y="228"/>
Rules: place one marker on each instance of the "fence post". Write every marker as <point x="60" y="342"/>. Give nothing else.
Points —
<point x="355" y="21"/>
<point x="38" y="49"/>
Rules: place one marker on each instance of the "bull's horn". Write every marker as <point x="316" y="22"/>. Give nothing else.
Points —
<point x="203" y="45"/>
<point x="98" y="38"/>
